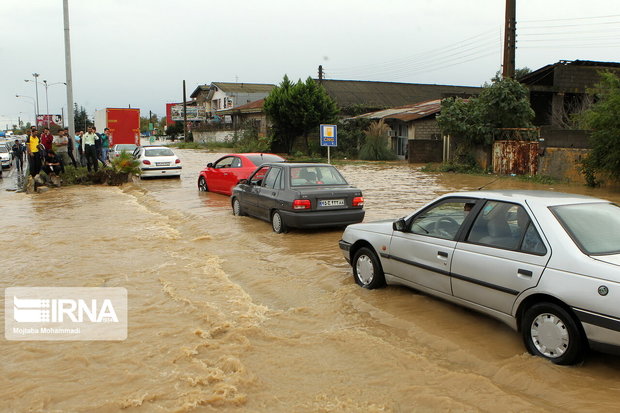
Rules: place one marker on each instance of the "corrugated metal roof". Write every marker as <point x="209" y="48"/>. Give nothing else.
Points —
<point x="387" y="94"/>
<point x="406" y="113"/>
<point x="244" y="87"/>
<point x="252" y="107"/>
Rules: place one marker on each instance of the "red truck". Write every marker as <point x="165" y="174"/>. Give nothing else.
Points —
<point x="124" y="124"/>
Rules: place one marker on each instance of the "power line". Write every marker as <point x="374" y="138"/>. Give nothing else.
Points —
<point x="571" y="19"/>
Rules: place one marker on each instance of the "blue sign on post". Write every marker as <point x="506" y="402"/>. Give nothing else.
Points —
<point x="329" y="135"/>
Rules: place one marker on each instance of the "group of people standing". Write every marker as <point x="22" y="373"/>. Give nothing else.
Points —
<point x="51" y="154"/>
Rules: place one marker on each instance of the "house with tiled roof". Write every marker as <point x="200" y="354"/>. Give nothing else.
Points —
<point x="414" y="132"/>
<point x="249" y="114"/>
<point x="224" y="95"/>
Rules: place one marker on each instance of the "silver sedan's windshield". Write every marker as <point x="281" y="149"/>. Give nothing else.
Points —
<point x="594" y="227"/>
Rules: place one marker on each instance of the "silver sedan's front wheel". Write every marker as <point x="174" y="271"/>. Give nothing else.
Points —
<point x="551" y="332"/>
<point x="367" y="269"/>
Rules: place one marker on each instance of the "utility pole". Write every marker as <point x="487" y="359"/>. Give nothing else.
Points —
<point x="36" y="94"/>
<point x="320" y="74"/>
<point x="70" y="114"/>
<point x="185" y="114"/>
<point x="510" y="41"/>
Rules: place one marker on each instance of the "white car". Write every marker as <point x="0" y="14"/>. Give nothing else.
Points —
<point x="117" y="149"/>
<point x="157" y="161"/>
<point x="545" y="263"/>
<point x="6" y="156"/>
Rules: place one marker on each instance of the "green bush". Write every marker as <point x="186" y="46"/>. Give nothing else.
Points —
<point x="376" y="146"/>
<point x="249" y="140"/>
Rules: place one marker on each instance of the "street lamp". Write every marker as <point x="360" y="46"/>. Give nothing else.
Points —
<point x="33" y="104"/>
<point x="47" y="106"/>
<point x="36" y="91"/>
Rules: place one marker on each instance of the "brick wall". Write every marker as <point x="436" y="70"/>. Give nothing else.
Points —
<point x="576" y="79"/>
<point x="426" y="129"/>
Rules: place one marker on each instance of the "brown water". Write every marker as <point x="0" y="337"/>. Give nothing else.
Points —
<point x="225" y="315"/>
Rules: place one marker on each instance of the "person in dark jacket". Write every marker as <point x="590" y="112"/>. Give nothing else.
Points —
<point x="18" y="153"/>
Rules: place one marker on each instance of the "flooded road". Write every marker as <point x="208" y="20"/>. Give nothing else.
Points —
<point x="225" y="315"/>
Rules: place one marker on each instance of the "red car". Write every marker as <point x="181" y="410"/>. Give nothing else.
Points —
<point x="222" y="175"/>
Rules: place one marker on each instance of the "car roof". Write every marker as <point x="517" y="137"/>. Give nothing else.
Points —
<point x="251" y="154"/>
<point x="534" y="197"/>
<point x="294" y="164"/>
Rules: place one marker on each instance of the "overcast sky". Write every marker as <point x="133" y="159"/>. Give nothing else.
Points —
<point x="138" y="52"/>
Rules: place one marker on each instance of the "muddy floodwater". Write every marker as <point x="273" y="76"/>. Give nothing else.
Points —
<point x="227" y="316"/>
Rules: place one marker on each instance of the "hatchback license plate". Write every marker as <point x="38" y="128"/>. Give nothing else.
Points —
<point x="162" y="163"/>
<point x="331" y="202"/>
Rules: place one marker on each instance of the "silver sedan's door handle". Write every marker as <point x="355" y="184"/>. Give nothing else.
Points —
<point x="442" y="254"/>
<point x="523" y="272"/>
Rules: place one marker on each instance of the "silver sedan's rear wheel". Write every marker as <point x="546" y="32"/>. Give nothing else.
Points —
<point x="202" y="184"/>
<point x="551" y="332"/>
<point x="367" y="269"/>
<point x="277" y="223"/>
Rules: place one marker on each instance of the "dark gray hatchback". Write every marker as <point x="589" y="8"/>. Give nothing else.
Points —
<point x="298" y="195"/>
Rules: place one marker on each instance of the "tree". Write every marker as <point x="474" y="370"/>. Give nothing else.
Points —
<point x="81" y="119"/>
<point x="603" y="119"/>
<point x="502" y="104"/>
<point x="174" y="130"/>
<point x="297" y="110"/>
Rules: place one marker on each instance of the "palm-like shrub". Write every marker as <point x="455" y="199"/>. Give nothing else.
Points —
<point x="126" y="164"/>
<point x="376" y="146"/>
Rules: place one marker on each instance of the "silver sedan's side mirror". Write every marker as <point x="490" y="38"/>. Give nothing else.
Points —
<point x="399" y="225"/>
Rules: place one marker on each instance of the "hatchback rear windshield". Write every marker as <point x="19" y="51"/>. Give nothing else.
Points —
<point x="158" y="152"/>
<point x="594" y="227"/>
<point x="258" y="160"/>
<point x="316" y="175"/>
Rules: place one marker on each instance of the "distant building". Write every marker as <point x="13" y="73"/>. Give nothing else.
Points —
<point x="560" y="89"/>
<point x="221" y="95"/>
<point x="351" y="93"/>
<point x="250" y="114"/>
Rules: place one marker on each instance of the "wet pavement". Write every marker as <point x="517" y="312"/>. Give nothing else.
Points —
<point x="225" y="315"/>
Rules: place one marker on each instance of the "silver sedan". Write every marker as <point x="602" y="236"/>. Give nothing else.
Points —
<point x="545" y="263"/>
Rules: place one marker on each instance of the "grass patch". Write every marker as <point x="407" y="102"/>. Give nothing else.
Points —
<point x="454" y="167"/>
<point x="541" y="179"/>
<point x="81" y="176"/>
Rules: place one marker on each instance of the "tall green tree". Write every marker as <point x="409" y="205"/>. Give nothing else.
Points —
<point x="603" y="119"/>
<point x="297" y="110"/>
<point x="502" y="104"/>
<point x="81" y="119"/>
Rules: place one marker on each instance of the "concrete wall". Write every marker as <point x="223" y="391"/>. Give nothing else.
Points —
<point x="562" y="163"/>
<point x="564" y="138"/>
<point x="214" y="136"/>
<point x="425" y="150"/>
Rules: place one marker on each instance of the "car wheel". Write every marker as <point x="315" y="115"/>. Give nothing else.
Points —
<point x="277" y="223"/>
<point x="367" y="269"/>
<point x="202" y="184"/>
<point x="236" y="207"/>
<point x="549" y="331"/>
